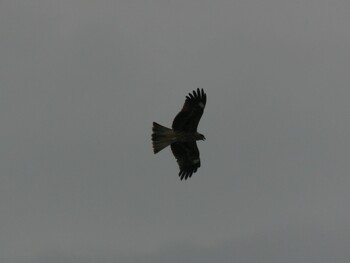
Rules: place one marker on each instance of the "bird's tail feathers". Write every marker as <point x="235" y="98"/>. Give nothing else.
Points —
<point x="161" y="137"/>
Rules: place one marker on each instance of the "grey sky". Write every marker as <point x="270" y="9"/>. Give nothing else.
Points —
<point x="81" y="83"/>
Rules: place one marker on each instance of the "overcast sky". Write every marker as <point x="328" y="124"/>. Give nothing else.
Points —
<point x="80" y="84"/>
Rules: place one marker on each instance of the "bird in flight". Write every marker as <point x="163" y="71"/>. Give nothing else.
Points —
<point x="183" y="135"/>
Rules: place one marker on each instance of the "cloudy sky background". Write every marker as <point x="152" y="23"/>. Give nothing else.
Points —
<point x="82" y="81"/>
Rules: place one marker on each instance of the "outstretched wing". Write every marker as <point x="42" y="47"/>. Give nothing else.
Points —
<point x="187" y="156"/>
<point x="188" y="118"/>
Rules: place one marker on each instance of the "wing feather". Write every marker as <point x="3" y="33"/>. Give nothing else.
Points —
<point x="187" y="156"/>
<point x="189" y="116"/>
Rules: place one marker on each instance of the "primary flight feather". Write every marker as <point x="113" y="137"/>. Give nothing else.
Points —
<point x="183" y="135"/>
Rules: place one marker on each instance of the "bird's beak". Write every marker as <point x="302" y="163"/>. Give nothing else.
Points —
<point x="204" y="139"/>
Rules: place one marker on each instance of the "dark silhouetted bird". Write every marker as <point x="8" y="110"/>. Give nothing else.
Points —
<point x="183" y="135"/>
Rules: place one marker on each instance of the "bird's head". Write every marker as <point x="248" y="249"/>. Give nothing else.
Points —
<point x="200" y="137"/>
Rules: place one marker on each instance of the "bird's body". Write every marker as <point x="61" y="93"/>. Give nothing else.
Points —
<point x="183" y="135"/>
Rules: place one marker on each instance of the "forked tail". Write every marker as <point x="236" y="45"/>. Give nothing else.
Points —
<point x="161" y="137"/>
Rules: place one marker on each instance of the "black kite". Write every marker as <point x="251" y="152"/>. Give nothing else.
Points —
<point x="183" y="135"/>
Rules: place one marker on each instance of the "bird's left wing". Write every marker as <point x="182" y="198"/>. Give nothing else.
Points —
<point x="187" y="156"/>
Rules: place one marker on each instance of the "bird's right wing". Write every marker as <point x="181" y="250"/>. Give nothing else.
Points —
<point x="188" y="118"/>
